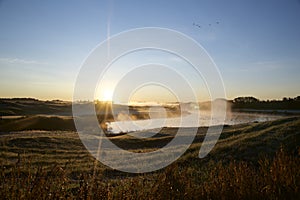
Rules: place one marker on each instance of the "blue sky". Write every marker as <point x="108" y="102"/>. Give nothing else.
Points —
<point x="256" y="44"/>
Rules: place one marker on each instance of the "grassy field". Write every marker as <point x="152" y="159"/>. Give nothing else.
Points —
<point x="255" y="160"/>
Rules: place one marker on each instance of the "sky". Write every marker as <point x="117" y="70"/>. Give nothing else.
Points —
<point x="255" y="44"/>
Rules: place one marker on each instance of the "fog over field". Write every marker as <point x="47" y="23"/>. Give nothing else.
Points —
<point x="158" y="100"/>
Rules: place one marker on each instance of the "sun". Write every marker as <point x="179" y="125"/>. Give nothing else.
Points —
<point x="107" y="95"/>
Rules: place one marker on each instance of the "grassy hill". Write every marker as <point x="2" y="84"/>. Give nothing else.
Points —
<point x="255" y="160"/>
<point x="48" y="123"/>
<point x="30" y="106"/>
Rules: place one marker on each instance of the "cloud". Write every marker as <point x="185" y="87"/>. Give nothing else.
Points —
<point x="270" y="65"/>
<point x="263" y="65"/>
<point x="22" y="61"/>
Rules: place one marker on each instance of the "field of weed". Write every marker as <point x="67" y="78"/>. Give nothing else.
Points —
<point x="256" y="160"/>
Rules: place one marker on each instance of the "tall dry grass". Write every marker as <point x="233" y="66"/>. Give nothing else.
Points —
<point x="269" y="178"/>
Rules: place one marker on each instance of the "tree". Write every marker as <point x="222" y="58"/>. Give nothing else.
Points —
<point x="244" y="100"/>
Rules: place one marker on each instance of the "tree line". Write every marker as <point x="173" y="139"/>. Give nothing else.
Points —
<point x="254" y="103"/>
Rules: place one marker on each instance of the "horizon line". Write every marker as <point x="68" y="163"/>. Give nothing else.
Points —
<point x="137" y="102"/>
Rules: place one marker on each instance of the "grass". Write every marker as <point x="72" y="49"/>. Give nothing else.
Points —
<point x="255" y="160"/>
<point x="276" y="178"/>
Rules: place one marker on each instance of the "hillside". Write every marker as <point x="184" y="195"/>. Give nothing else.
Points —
<point x="47" y="123"/>
<point x="30" y="106"/>
<point x="255" y="160"/>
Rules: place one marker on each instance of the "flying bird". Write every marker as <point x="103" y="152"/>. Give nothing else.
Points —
<point x="194" y="24"/>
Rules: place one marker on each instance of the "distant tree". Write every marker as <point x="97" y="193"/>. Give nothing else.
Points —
<point x="245" y="100"/>
<point x="297" y="98"/>
<point x="254" y="103"/>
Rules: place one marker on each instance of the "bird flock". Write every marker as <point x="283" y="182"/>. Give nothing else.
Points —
<point x="199" y="26"/>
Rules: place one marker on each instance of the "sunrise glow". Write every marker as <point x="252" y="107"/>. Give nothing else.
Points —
<point x="106" y="95"/>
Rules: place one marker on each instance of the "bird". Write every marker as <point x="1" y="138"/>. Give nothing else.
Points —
<point x="194" y="24"/>
<point x="210" y="24"/>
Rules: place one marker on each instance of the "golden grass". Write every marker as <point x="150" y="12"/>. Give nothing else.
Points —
<point x="259" y="160"/>
<point x="276" y="178"/>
